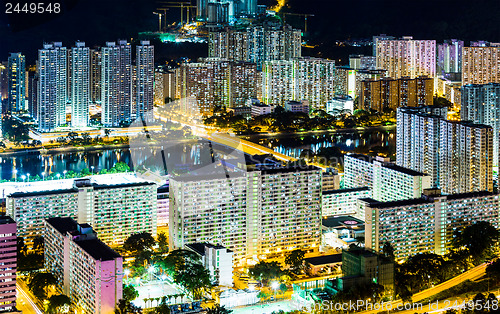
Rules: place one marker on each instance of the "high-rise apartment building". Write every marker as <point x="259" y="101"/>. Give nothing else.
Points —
<point x="254" y="214"/>
<point x="310" y="79"/>
<point x="407" y="57"/>
<point x="481" y="104"/>
<point x="17" y="82"/>
<point x="465" y="157"/>
<point x="388" y="93"/>
<point x="116" y="83"/>
<point x="449" y="58"/>
<point x="426" y="142"/>
<point x="80" y="85"/>
<point x="88" y="271"/>
<point x="387" y="181"/>
<point x="375" y="40"/>
<point x="480" y="65"/>
<point x="214" y="81"/>
<point x="52" y="86"/>
<point x="213" y="11"/>
<point x="343" y="202"/>
<point x="8" y="264"/>
<point x="95" y="76"/>
<point x="145" y="74"/>
<point x="425" y="224"/>
<point x="256" y="44"/>
<point x="116" y="206"/>
<point x="32" y="93"/>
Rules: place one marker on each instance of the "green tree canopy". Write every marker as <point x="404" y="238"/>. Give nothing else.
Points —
<point x="295" y="260"/>
<point x="139" y="242"/>
<point x="130" y="293"/>
<point x="59" y="304"/>
<point x="478" y="239"/>
<point x="40" y="282"/>
<point x="266" y="271"/>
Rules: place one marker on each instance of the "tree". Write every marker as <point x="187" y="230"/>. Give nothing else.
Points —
<point x="126" y="307"/>
<point x="72" y="136"/>
<point x="86" y="138"/>
<point x="139" y="242"/>
<point x="21" y="247"/>
<point x="38" y="243"/>
<point x="265" y="271"/>
<point x="186" y="269"/>
<point x="477" y="239"/>
<point x="40" y="282"/>
<point x="295" y="260"/>
<point x="218" y="309"/>
<point x="162" y="242"/>
<point x="59" y="304"/>
<point x="130" y="293"/>
<point x="388" y="250"/>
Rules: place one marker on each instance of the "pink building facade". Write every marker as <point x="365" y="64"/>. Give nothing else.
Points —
<point x="8" y="263"/>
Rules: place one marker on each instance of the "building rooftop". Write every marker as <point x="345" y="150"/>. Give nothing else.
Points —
<point x="362" y="157"/>
<point x="324" y="260"/>
<point x="426" y="200"/>
<point x="6" y="220"/>
<point x="360" y="252"/>
<point x="341" y="191"/>
<point x="403" y="170"/>
<point x="63" y="224"/>
<point x="98" y="250"/>
<point x="200" y="247"/>
<point x="62" y="186"/>
<point x="342" y="221"/>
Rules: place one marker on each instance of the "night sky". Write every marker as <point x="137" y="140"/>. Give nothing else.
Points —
<point x="97" y="21"/>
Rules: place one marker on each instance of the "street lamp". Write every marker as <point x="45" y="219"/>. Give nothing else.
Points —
<point x="151" y="270"/>
<point x="43" y="176"/>
<point x="58" y="176"/>
<point x="92" y="168"/>
<point x="23" y="177"/>
<point x="64" y="173"/>
<point x="15" y="174"/>
<point x="275" y="285"/>
<point x="28" y="177"/>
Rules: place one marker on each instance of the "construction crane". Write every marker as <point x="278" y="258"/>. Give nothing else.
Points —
<point x="165" y="5"/>
<point x="298" y="14"/>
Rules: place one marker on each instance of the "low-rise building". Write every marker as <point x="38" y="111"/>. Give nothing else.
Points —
<point x="361" y="267"/>
<point x="8" y="264"/>
<point x="324" y="264"/>
<point x="297" y="106"/>
<point x="259" y="109"/>
<point x="339" y="104"/>
<point x="340" y="232"/>
<point x="218" y="260"/>
<point x="88" y="271"/>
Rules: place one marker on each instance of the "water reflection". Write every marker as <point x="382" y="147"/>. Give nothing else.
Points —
<point x="367" y="142"/>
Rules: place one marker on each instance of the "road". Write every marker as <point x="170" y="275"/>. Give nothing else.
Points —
<point x="472" y="274"/>
<point x="25" y="303"/>
<point x="234" y="141"/>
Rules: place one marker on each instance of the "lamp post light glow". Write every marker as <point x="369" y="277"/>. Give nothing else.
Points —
<point x="64" y="174"/>
<point x="28" y="175"/>
<point x="275" y="285"/>
<point x="23" y="177"/>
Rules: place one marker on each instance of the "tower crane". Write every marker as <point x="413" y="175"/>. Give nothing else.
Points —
<point x="165" y="5"/>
